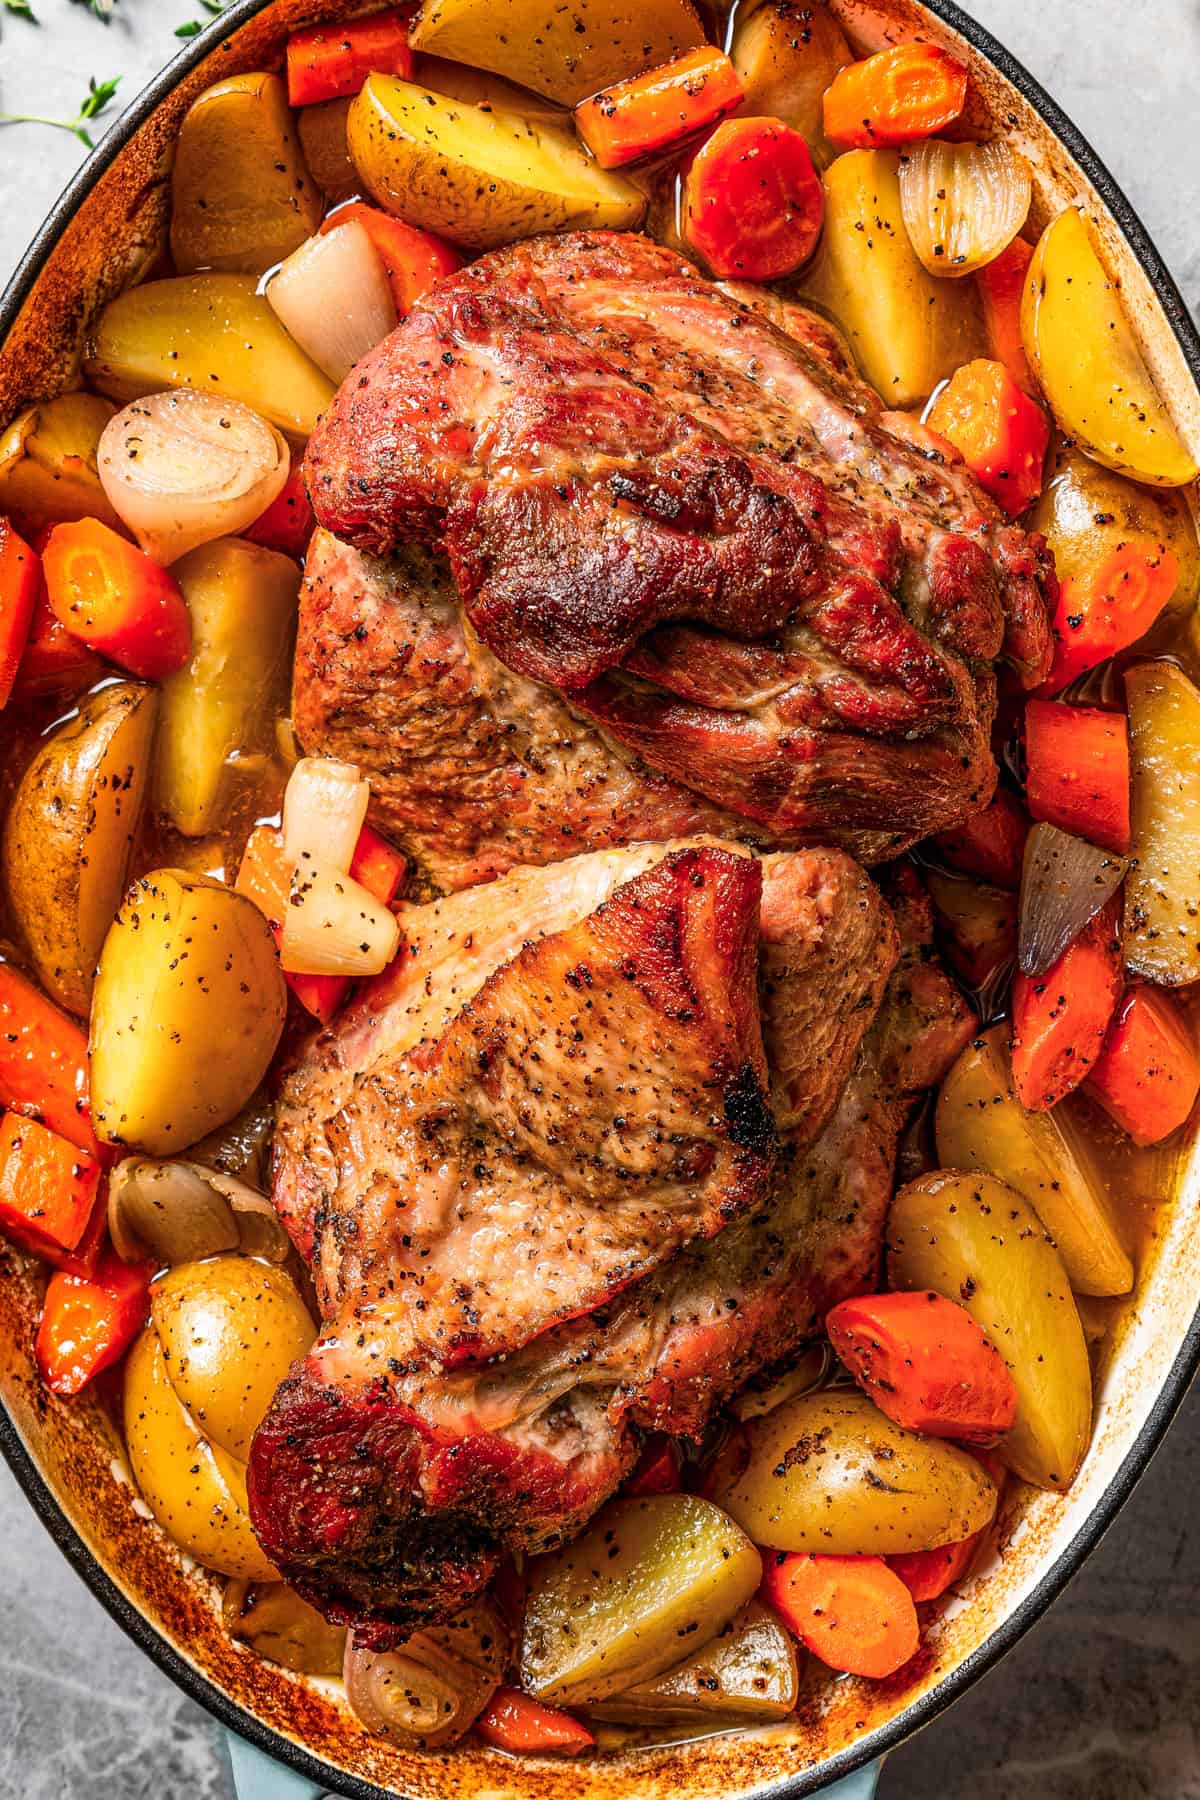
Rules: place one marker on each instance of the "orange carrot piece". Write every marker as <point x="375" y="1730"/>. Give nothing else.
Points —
<point x="1147" y="1075"/>
<point x="516" y="1722"/>
<point x="288" y="523"/>
<point x="1110" y="607"/>
<point x="753" y="203"/>
<point x="412" y="260"/>
<point x="648" y="112"/>
<point x="325" y="61"/>
<point x="656" y="1471"/>
<point x="991" y="844"/>
<point x="377" y="865"/>
<point x="928" y="1573"/>
<point x="47" y="1186"/>
<point x="106" y="591"/>
<point x="1000" y="433"/>
<point x="1078" y="771"/>
<point x="44" y="1063"/>
<point x="1059" y="1019"/>
<point x="925" y="1363"/>
<point x="852" y="1612"/>
<point x="55" y="663"/>
<point x="84" y="1259"/>
<point x="1001" y="285"/>
<point x="20" y="586"/>
<point x="909" y="91"/>
<point x="87" y="1324"/>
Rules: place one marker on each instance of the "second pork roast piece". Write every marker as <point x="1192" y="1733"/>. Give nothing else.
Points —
<point x="662" y="499"/>
<point x="394" y="1468"/>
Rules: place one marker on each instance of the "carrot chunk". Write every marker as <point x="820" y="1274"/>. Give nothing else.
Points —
<point x="926" y="1364"/>
<point x="1059" y="1019"/>
<point x="1110" y="607"/>
<point x="54" y="662"/>
<point x="753" y="203"/>
<point x="656" y="1470"/>
<point x="44" y="1063"/>
<point x="325" y="61"/>
<point x="928" y="1573"/>
<point x="851" y="1611"/>
<point x="377" y="865"/>
<point x="991" y="844"/>
<point x="48" y="1187"/>
<point x="648" y="112"/>
<point x="1000" y="433"/>
<point x="515" y="1721"/>
<point x="1001" y="285"/>
<point x="412" y="260"/>
<point x="1147" y="1075"/>
<point x="106" y="591"/>
<point x="87" y="1324"/>
<point x="909" y="91"/>
<point x="20" y="586"/>
<point x="1078" y="771"/>
<point x="288" y="523"/>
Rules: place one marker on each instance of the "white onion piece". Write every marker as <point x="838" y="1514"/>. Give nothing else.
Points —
<point x="183" y="468"/>
<point x="334" y="926"/>
<point x="324" y="805"/>
<point x="332" y="295"/>
<point x="1064" y="883"/>
<point x="432" y="1688"/>
<point x="182" y="1212"/>
<point x="962" y="203"/>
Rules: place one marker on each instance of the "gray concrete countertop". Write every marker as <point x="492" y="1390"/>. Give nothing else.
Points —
<point x="1099" y="1702"/>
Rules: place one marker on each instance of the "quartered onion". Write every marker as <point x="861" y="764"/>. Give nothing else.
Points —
<point x="962" y="203"/>
<point x="183" y="468"/>
<point x="179" y="1212"/>
<point x="324" y="806"/>
<point x="431" y="1689"/>
<point x="332" y="295"/>
<point x="1064" y="883"/>
<point x="333" y="926"/>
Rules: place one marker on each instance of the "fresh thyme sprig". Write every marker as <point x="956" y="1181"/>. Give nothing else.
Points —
<point x="213" y="7"/>
<point x="94" y="102"/>
<point x="21" y="9"/>
<point x="101" y="9"/>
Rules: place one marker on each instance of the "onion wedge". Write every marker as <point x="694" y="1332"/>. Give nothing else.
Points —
<point x="324" y="806"/>
<point x="962" y="203"/>
<point x="1064" y="883"/>
<point x="334" y="926"/>
<point x="181" y="1212"/>
<point x="333" y="298"/>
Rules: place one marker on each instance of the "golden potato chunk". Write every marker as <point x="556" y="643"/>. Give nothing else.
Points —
<point x="786" y="53"/>
<point x="1162" y="889"/>
<point x="747" y="1674"/>
<point x="280" y="1626"/>
<point x="48" y="461"/>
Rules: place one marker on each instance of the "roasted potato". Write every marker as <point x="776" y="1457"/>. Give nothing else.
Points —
<point x="564" y="53"/>
<point x="1087" y="512"/>
<point x="48" y="461"/>
<point x="746" y="1674"/>
<point x="1081" y="347"/>
<point x="223" y="704"/>
<point x="786" y="53"/>
<point x="479" y="87"/>
<point x="69" y="834"/>
<point x="231" y="1328"/>
<point x="209" y="331"/>
<point x="976" y="1241"/>
<point x="187" y="1010"/>
<point x="829" y="1473"/>
<point x="908" y="329"/>
<point x="241" y="195"/>
<point x="1162" y="889"/>
<point x="981" y="1124"/>
<point x="322" y="131"/>
<point x="283" y="1628"/>
<point x="196" y="1492"/>
<point x="482" y="177"/>
<point x="613" y="1608"/>
<point x="430" y="1689"/>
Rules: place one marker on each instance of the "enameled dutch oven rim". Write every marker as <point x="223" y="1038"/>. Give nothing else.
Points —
<point x="925" y="1709"/>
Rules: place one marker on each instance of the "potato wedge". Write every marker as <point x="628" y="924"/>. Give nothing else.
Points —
<point x="565" y="53"/>
<point x="209" y="331"/>
<point x="829" y="1473"/>
<point x="196" y="1494"/>
<point x="747" y="1675"/>
<point x="241" y="195"/>
<point x="980" y="1124"/>
<point x="224" y="703"/>
<point x="479" y="87"/>
<point x="1081" y="347"/>
<point x="786" y="54"/>
<point x="1087" y="512"/>
<point x="187" y="1010"/>
<point x="977" y="1241"/>
<point x="231" y="1328"/>
<point x="48" y="461"/>
<point x="908" y="329"/>
<point x="280" y="1626"/>
<point x="70" y="832"/>
<point x="612" y="1608"/>
<point x="1162" y="889"/>
<point x="322" y="131"/>
<point x="480" y="177"/>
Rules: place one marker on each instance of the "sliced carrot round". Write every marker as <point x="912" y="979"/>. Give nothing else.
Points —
<point x="909" y="91"/>
<point x="851" y="1611"/>
<point x="753" y="203"/>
